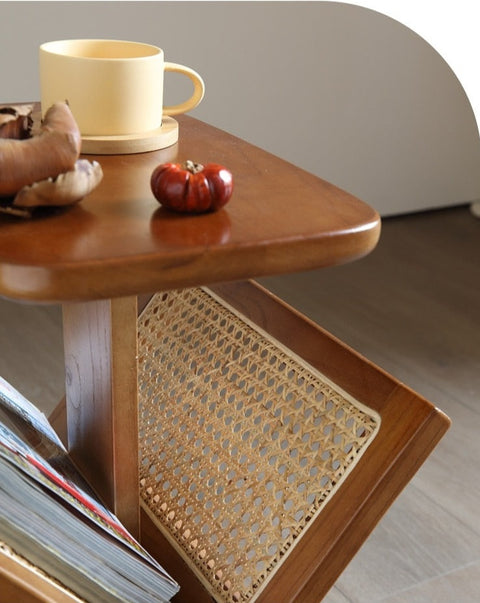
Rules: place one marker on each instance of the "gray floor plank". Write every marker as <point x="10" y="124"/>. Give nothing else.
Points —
<point x="416" y="541"/>
<point x="31" y="357"/>
<point x="462" y="586"/>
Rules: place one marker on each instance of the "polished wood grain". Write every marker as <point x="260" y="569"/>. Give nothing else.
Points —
<point x="118" y="241"/>
<point x="100" y="343"/>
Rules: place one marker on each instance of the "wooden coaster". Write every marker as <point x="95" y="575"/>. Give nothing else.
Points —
<point x="154" y="140"/>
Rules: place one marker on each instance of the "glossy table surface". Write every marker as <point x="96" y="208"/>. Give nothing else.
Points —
<point x="118" y="241"/>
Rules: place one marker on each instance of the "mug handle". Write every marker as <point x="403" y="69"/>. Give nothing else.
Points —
<point x="198" y="92"/>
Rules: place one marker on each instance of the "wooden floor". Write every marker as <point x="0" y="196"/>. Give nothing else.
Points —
<point x="412" y="307"/>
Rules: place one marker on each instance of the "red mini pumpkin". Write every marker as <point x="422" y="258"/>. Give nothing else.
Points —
<point x="191" y="187"/>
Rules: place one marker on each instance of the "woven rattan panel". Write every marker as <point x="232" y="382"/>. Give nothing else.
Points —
<point x="241" y="442"/>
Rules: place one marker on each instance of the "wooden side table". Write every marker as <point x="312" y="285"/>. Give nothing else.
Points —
<point x="106" y="257"/>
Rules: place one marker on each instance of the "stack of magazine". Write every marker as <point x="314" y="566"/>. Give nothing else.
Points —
<point x="50" y="516"/>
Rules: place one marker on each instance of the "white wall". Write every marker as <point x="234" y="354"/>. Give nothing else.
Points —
<point x="340" y="90"/>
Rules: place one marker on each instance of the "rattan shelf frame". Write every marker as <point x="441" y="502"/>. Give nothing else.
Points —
<point x="409" y="429"/>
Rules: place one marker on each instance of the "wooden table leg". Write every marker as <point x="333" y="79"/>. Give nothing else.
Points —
<point x="100" y="339"/>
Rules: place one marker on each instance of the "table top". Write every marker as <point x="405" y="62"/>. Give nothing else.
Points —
<point x="118" y="241"/>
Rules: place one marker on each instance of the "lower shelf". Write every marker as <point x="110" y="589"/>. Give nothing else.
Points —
<point x="269" y="450"/>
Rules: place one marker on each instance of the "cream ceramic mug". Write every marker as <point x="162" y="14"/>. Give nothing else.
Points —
<point x="113" y="87"/>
